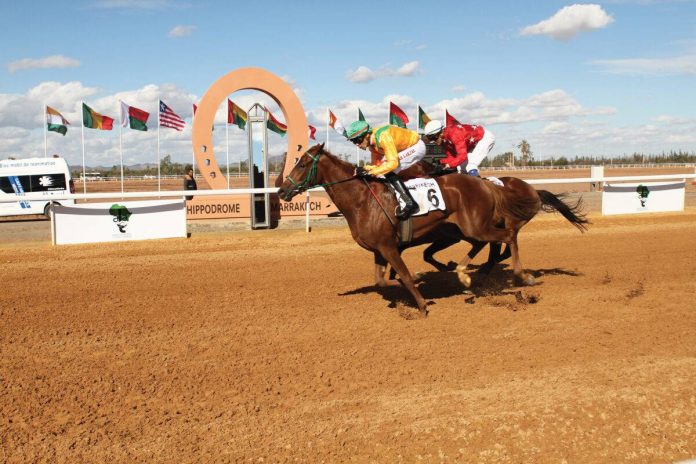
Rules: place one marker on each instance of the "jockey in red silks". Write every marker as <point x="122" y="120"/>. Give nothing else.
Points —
<point x="462" y="143"/>
<point x="399" y="149"/>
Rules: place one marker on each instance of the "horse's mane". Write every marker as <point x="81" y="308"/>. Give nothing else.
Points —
<point x="335" y="158"/>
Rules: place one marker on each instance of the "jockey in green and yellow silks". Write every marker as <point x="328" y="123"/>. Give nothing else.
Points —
<point x="399" y="149"/>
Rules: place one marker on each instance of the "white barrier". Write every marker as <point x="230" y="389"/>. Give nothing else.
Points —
<point x="118" y="221"/>
<point x="183" y="193"/>
<point x="647" y="197"/>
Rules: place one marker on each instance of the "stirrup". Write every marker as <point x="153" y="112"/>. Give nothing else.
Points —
<point x="407" y="212"/>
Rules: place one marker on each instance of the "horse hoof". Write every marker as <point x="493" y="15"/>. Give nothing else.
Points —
<point x="527" y="279"/>
<point x="465" y="279"/>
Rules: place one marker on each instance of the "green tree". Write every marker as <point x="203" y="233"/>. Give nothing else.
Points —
<point x="526" y="152"/>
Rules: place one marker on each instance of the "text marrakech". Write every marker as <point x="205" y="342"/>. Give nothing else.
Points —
<point x="313" y="206"/>
<point x="218" y="208"/>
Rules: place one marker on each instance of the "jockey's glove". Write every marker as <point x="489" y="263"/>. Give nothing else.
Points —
<point x="360" y="171"/>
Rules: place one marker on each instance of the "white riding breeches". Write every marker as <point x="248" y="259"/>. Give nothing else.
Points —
<point x="481" y="150"/>
<point x="410" y="156"/>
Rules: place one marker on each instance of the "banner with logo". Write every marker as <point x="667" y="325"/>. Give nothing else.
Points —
<point x="646" y="197"/>
<point x="119" y="221"/>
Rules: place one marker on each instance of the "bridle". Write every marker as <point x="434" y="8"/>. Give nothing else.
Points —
<point x="310" y="180"/>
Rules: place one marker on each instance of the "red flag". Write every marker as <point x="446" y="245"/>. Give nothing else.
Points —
<point x="312" y="131"/>
<point x="396" y="116"/>
<point x="450" y="120"/>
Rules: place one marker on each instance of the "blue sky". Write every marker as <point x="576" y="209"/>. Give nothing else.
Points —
<point x="573" y="79"/>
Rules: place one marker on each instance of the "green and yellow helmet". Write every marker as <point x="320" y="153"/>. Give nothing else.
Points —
<point x="357" y="130"/>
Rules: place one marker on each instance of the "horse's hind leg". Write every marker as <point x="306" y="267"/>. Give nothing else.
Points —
<point x="439" y="245"/>
<point x="494" y="257"/>
<point x="524" y="277"/>
<point x="393" y="256"/>
<point x="464" y="278"/>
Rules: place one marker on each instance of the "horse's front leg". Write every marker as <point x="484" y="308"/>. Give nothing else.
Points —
<point x="464" y="278"/>
<point x="393" y="256"/>
<point x="381" y="272"/>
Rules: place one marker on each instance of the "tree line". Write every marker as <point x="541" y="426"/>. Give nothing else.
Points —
<point x="507" y="159"/>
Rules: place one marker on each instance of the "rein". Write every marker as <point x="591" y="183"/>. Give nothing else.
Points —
<point x="310" y="182"/>
<point x="379" y="202"/>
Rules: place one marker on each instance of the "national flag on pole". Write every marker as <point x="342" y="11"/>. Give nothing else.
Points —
<point x="168" y="118"/>
<point x="55" y="121"/>
<point x="236" y="115"/>
<point x="335" y="124"/>
<point x="94" y="120"/>
<point x="361" y="117"/>
<point x="423" y="118"/>
<point x="312" y="131"/>
<point x="450" y="120"/>
<point x="396" y="116"/>
<point x="133" y="117"/>
<point x="274" y="125"/>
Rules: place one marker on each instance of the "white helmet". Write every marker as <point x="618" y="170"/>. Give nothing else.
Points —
<point x="432" y="128"/>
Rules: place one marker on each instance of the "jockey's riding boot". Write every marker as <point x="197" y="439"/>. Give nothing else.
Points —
<point x="411" y="206"/>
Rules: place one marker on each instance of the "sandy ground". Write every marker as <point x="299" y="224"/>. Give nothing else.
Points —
<point x="274" y="346"/>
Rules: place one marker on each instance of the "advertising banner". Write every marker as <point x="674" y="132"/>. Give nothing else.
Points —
<point x="646" y="197"/>
<point x="238" y="206"/>
<point x="119" y="221"/>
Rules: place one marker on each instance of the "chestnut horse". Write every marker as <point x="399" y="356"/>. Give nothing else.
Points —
<point x="473" y="205"/>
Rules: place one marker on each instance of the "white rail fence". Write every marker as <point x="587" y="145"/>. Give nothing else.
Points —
<point x="248" y="191"/>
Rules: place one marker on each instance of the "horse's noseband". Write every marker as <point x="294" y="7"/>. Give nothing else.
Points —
<point x="309" y="180"/>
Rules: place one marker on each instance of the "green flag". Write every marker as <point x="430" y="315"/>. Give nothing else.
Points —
<point x="361" y="117"/>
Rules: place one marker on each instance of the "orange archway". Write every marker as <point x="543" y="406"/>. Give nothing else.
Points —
<point x="245" y="79"/>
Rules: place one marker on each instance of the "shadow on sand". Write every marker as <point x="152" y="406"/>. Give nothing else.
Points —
<point x="435" y="285"/>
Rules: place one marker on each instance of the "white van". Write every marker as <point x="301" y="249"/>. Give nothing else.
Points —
<point x="48" y="176"/>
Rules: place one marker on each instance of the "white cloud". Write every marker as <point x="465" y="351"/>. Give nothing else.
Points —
<point x="458" y="88"/>
<point x="570" y="21"/>
<point x="363" y="74"/>
<point x="54" y="61"/>
<point x="685" y="65"/>
<point x="181" y="31"/>
<point x="409" y="69"/>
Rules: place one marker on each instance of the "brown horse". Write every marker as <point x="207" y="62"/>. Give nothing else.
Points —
<point x="473" y="205"/>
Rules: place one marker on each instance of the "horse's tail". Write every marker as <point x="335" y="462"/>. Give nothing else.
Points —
<point x="518" y="203"/>
<point x="572" y="212"/>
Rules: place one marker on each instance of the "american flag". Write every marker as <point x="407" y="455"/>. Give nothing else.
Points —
<point x="168" y="118"/>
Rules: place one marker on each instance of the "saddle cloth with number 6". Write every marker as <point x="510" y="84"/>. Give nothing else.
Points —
<point x="426" y="192"/>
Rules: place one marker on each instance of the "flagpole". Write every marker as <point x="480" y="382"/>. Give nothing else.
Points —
<point x="120" y="144"/>
<point x="357" y="150"/>
<point x="84" y="177"/>
<point x="327" y="127"/>
<point x="45" y="118"/>
<point x="159" y="102"/>
<point x="227" y="142"/>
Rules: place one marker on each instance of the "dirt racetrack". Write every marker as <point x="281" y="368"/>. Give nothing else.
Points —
<point x="273" y="346"/>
